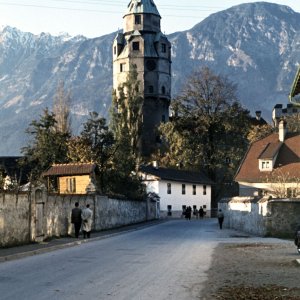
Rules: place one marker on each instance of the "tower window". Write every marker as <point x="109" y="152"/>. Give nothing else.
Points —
<point x="163" y="90"/>
<point x="137" y="19"/>
<point x="115" y="50"/>
<point x="136" y="46"/>
<point x="163" y="118"/>
<point x="122" y="67"/>
<point x="163" y="48"/>
<point x="151" y="89"/>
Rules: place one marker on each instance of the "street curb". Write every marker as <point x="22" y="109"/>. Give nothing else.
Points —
<point x="70" y="244"/>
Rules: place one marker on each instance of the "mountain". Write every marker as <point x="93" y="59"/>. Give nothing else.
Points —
<point x="255" y="44"/>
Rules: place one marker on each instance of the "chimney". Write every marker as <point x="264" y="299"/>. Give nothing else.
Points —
<point x="258" y="115"/>
<point x="282" y="130"/>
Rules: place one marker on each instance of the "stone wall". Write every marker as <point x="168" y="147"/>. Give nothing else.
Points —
<point x="14" y="219"/>
<point x="110" y="213"/>
<point x="39" y="216"/>
<point x="263" y="217"/>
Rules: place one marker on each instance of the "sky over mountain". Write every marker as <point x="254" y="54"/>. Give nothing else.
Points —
<point x="255" y="45"/>
<point x="98" y="17"/>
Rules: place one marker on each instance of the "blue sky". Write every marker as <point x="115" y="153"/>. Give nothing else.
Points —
<point x="94" y="18"/>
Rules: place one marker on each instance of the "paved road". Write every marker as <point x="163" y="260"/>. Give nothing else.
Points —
<point x="165" y="261"/>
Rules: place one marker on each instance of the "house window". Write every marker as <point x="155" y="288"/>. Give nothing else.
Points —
<point x="291" y="193"/>
<point x="122" y="67"/>
<point x="151" y="89"/>
<point x="137" y="19"/>
<point x="163" y="90"/>
<point x="163" y="119"/>
<point x="71" y="185"/>
<point x="136" y="46"/>
<point x="163" y="48"/>
<point x="183" y="189"/>
<point x="204" y="189"/>
<point x="169" y="188"/>
<point x="194" y="189"/>
<point x="265" y="165"/>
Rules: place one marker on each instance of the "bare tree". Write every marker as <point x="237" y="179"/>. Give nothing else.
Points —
<point x="61" y="109"/>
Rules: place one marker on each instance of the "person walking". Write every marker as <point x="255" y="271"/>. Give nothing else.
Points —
<point x="201" y="212"/>
<point x="76" y="219"/>
<point x="220" y="218"/>
<point x="87" y="216"/>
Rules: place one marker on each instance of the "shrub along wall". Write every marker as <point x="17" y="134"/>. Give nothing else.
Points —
<point x="263" y="217"/>
<point x="39" y="216"/>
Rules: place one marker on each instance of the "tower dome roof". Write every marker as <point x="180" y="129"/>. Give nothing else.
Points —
<point x="142" y="7"/>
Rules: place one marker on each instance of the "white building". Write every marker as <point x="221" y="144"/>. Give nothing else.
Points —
<point x="178" y="189"/>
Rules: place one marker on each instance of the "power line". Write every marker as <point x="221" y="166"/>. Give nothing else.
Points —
<point x="106" y="3"/>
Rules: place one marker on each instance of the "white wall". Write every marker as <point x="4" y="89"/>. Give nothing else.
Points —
<point x="176" y="198"/>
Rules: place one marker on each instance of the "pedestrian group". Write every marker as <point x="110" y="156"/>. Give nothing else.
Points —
<point x="82" y="219"/>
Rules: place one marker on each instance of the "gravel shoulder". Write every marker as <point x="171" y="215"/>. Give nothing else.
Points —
<point x="253" y="271"/>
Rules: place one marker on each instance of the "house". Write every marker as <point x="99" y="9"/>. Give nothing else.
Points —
<point x="279" y="112"/>
<point x="271" y="166"/>
<point x="76" y="178"/>
<point x="178" y="189"/>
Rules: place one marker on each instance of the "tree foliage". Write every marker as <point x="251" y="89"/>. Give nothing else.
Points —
<point x="208" y="124"/>
<point x="47" y="145"/>
<point x="126" y="124"/>
<point x="293" y="122"/>
<point x="208" y="128"/>
<point x="126" y="112"/>
<point x="258" y="132"/>
<point x="95" y="144"/>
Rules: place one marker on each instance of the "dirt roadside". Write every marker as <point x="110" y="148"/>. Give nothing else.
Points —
<point x="264" y="271"/>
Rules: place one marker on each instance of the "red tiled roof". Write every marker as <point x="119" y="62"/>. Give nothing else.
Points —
<point x="270" y="151"/>
<point x="287" y="162"/>
<point x="70" y="169"/>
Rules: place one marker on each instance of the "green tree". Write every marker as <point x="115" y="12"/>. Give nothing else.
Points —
<point x="126" y="123"/>
<point x="95" y="144"/>
<point x="209" y="127"/>
<point x="126" y="113"/>
<point x="46" y="146"/>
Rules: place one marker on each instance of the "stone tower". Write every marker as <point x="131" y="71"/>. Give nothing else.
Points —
<point x="144" y="45"/>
